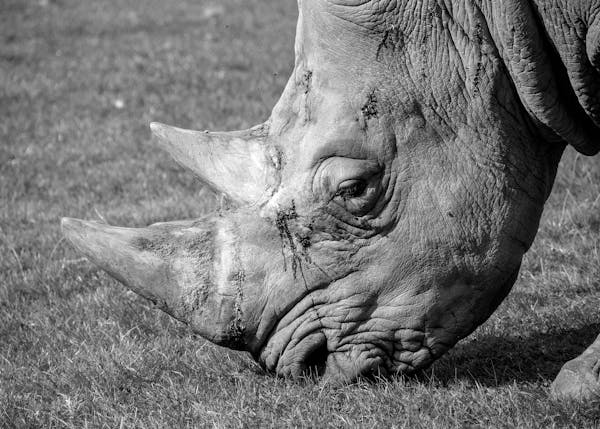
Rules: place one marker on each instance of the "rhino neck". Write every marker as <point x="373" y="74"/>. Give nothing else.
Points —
<point x="550" y="51"/>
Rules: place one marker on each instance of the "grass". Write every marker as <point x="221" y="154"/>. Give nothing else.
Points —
<point x="79" y="82"/>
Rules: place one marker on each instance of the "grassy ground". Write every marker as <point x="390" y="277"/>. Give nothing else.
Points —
<point x="79" y="82"/>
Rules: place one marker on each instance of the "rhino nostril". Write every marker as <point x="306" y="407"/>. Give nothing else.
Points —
<point x="316" y="359"/>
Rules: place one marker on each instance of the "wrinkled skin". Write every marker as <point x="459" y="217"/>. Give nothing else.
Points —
<point x="384" y="208"/>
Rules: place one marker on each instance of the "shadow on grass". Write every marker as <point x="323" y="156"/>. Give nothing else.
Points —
<point x="498" y="360"/>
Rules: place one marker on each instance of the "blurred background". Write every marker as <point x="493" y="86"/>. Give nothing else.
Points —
<point x="81" y="80"/>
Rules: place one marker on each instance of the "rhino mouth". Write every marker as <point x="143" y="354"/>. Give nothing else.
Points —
<point x="342" y="341"/>
<point x="309" y="357"/>
<point x="316" y="355"/>
<point x="355" y="338"/>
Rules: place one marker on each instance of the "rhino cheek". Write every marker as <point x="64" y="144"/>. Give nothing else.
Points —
<point x="384" y="318"/>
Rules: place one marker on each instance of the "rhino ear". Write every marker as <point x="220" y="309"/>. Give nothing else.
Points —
<point x="239" y="164"/>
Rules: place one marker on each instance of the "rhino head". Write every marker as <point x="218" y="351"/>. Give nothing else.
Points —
<point x="382" y="211"/>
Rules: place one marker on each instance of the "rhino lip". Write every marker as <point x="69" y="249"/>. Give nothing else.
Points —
<point x="295" y="346"/>
<point x="308" y="356"/>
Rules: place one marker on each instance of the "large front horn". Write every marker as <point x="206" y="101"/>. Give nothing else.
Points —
<point x="238" y="164"/>
<point x="172" y="264"/>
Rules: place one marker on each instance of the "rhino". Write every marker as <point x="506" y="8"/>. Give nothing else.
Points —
<point x="381" y="213"/>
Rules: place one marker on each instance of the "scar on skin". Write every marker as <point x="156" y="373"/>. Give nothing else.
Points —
<point x="478" y="39"/>
<point x="393" y="39"/>
<point x="305" y="85"/>
<point x="283" y="216"/>
<point x="304" y="241"/>
<point x="306" y="81"/>
<point x="287" y="239"/>
<point x="236" y="327"/>
<point x="369" y="110"/>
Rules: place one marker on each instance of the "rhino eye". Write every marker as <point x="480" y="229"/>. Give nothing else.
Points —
<point x="354" y="184"/>
<point x="351" y="189"/>
<point x="358" y="196"/>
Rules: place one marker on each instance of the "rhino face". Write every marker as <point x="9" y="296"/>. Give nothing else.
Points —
<point x="381" y="212"/>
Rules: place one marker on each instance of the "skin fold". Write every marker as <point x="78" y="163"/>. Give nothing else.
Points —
<point x="382" y="211"/>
